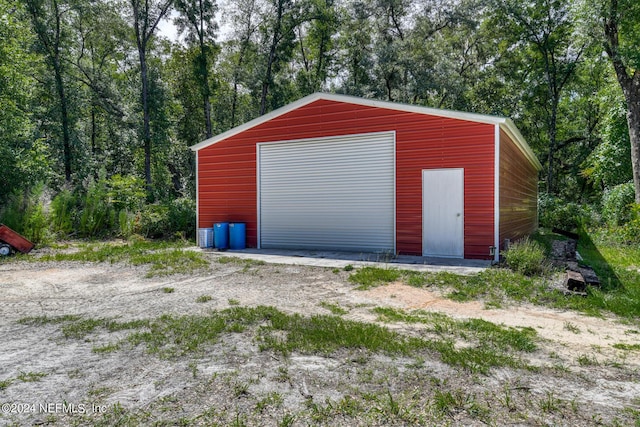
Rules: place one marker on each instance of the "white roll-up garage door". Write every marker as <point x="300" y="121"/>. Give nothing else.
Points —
<point x="335" y="193"/>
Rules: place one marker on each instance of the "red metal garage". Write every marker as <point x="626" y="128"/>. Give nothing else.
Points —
<point x="339" y="172"/>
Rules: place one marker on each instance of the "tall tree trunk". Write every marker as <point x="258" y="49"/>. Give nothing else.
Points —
<point x="553" y="120"/>
<point x="146" y="119"/>
<point x="272" y="57"/>
<point x="206" y="92"/>
<point x="633" y="121"/>
<point x="630" y="85"/>
<point x="64" y="120"/>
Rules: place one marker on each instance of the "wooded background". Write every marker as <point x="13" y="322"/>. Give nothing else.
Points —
<point x="98" y="107"/>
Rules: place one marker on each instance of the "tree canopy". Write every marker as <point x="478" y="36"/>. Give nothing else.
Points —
<point x="94" y="86"/>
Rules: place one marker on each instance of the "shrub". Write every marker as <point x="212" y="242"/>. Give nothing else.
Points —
<point x="629" y="233"/>
<point x="126" y="192"/>
<point x="25" y="213"/>
<point x="36" y="223"/>
<point x="616" y="204"/>
<point x="12" y="213"/>
<point x="182" y="216"/>
<point x="63" y="207"/>
<point x="126" y="223"/>
<point x="526" y="257"/>
<point x="154" y="221"/>
<point x="556" y="212"/>
<point x="97" y="215"/>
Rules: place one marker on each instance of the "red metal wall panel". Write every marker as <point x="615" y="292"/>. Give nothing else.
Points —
<point x="227" y="169"/>
<point x="518" y="192"/>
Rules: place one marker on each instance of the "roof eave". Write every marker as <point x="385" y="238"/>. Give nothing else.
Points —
<point x="512" y="131"/>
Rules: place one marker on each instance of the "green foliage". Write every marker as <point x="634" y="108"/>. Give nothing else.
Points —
<point x="126" y="193"/>
<point x="63" y="208"/>
<point x="617" y="203"/>
<point x="12" y="213"/>
<point x="526" y="257"/>
<point x="629" y="233"/>
<point x="163" y="258"/>
<point x="557" y="212"/>
<point x="24" y="212"/>
<point x="181" y="216"/>
<point x="126" y="223"/>
<point x="154" y="220"/>
<point x="97" y="214"/>
<point x="368" y="277"/>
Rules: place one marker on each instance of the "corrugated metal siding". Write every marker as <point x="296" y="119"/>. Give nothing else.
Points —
<point x="228" y="168"/>
<point x="518" y="192"/>
<point x="332" y="193"/>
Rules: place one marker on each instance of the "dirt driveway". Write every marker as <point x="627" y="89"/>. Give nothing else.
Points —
<point x="47" y="377"/>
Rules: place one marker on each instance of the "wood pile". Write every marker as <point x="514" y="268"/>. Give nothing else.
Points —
<point x="577" y="276"/>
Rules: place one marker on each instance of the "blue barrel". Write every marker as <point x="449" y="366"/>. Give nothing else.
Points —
<point x="237" y="235"/>
<point x="205" y="237"/>
<point x="221" y="235"/>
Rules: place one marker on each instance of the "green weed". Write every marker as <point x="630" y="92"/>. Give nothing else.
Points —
<point x="240" y="261"/>
<point x="204" y="298"/>
<point x="333" y="308"/>
<point x="369" y="277"/>
<point x="108" y="348"/>
<point x="527" y="257"/>
<point x="30" y="377"/>
<point x="621" y="346"/>
<point x="571" y="327"/>
<point x="163" y="257"/>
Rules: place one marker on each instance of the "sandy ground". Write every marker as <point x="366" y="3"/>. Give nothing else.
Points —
<point x="228" y="383"/>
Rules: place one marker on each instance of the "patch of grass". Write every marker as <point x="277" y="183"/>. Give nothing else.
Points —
<point x="273" y="399"/>
<point x="164" y="257"/>
<point x="6" y="383"/>
<point x="571" y="327"/>
<point x="239" y="261"/>
<point x="326" y="334"/>
<point x="333" y="308"/>
<point x="586" y="360"/>
<point x="369" y="277"/>
<point x="204" y="298"/>
<point x="108" y="348"/>
<point x="348" y="267"/>
<point x="621" y="346"/>
<point x="31" y="377"/>
<point x="168" y="290"/>
<point x="483" y="332"/>
<point x="81" y="328"/>
<point x="527" y="257"/>
<point x="233" y="301"/>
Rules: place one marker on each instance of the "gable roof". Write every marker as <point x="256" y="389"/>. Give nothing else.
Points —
<point x="504" y="123"/>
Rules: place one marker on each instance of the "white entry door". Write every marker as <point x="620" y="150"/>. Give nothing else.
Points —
<point x="443" y="213"/>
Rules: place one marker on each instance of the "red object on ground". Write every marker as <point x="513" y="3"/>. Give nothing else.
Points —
<point x="14" y="239"/>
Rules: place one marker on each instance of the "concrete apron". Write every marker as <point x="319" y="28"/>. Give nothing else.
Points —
<point x="333" y="259"/>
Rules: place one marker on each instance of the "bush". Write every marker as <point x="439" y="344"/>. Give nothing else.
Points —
<point x="629" y="233"/>
<point x="12" y="213"/>
<point x="25" y="213"/>
<point x="153" y="221"/>
<point x="526" y="257"/>
<point x="617" y="203"/>
<point x="126" y="192"/>
<point x="63" y="207"/>
<point x="126" y="223"/>
<point x="556" y="212"/>
<point x="97" y="215"/>
<point x="182" y="216"/>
